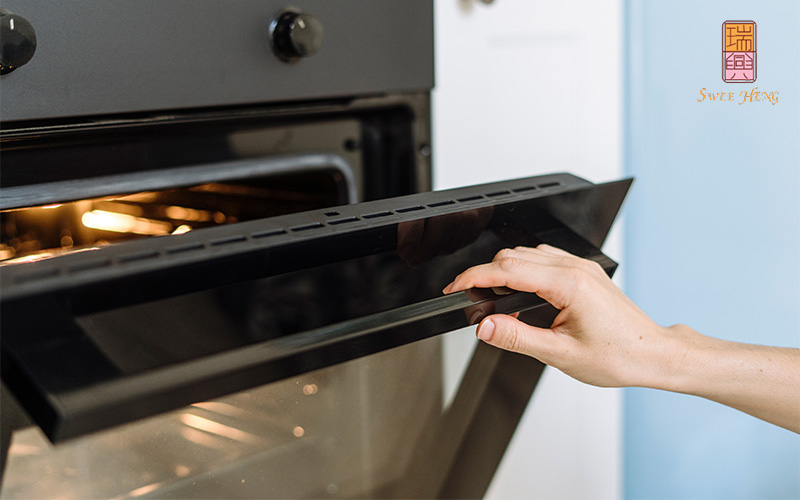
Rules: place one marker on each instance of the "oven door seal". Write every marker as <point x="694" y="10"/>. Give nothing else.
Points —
<point x="70" y="388"/>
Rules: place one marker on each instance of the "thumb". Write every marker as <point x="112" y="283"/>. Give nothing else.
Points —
<point x="511" y="334"/>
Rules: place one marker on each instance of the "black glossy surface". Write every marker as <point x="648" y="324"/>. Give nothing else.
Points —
<point x="151" y="55"/>
<point x="17" y="41"/>
<point x="296" y="35"/>
<point x="138" y="343"/>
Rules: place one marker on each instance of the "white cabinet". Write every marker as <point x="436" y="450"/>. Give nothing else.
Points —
<point x="526" y="87"/>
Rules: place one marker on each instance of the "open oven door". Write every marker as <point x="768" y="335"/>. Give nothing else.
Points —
<point x="336" y="310"/>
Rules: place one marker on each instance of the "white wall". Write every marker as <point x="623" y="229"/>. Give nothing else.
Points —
<point x="526" y="87"/>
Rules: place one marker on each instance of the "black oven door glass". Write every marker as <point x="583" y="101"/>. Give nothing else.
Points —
<point x="96" y="339"/>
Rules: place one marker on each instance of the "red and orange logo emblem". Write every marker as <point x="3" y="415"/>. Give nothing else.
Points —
<point x="739" y="51"/>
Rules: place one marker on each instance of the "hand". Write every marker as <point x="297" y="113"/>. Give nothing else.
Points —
<point x="600" y="337"/>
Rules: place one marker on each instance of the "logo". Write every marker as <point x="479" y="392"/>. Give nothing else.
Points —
<point x="739" y="66"/>
<point x="738" y="51"/>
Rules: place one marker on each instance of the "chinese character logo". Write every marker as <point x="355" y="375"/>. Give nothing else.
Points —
<point x="738" y="51"/>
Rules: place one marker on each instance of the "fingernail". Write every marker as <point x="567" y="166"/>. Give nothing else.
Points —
<point x="447" y="288"/>
<point x="486" y="330"/>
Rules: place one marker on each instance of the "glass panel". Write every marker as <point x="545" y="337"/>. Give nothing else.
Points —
<point x="163" y="332"/>
<point x="347" y="431"/>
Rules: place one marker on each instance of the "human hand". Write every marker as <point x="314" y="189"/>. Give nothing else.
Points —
<point x="600" y="336"/>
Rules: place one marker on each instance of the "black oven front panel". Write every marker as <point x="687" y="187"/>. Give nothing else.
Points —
<point x="116" y="56"/>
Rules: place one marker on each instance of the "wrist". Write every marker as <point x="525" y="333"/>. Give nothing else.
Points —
<point x="677" y="358"/>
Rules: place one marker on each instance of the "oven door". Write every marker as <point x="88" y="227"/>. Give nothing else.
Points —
<point x="296" y="355"/>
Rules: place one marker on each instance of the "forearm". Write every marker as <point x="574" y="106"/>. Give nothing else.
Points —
<point x="759" y="380"/>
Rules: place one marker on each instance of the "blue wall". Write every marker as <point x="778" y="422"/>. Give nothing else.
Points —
<point x="712" y="235"/>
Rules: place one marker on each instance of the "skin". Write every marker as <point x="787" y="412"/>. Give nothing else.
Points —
<point x="602" y="338"/>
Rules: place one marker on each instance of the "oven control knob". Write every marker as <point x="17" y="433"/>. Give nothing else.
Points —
<point x="17" y="41"/>
<point x="296" y="35"/>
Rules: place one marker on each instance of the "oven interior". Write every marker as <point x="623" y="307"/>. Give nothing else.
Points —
<point x="198" y="173"/>
<point x="40" y="232"/>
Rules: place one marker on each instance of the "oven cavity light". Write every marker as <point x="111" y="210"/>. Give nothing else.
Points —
<point x="310" y="389"/>
<point x="123" y="223"/>
<point x="298" y="431"/>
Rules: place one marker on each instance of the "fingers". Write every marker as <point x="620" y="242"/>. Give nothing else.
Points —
<point x="511" y="334"/>
<point x="544" y="247"/>
<point x="547" y="280"/>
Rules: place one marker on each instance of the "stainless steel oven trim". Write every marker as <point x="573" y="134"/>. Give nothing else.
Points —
<point x="113" y="185"/>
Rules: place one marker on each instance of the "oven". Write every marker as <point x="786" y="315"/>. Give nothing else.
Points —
<point x="221" y="263"/>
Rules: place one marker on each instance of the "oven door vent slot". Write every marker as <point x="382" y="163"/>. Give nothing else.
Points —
<point x="306" y="227"/>
<point x="184" y="248"/>
<point x="376" y="215"/>
<point x="132" y="257"/>
<point x="498" y="193"/>
<point x="470" y="198"/>
<point x="441" y="203"/>
<point x="40" y="274"/>
<point x="230" y="239"/>
<point x="267" y="233"/>
<point x="343" y="221"/>
<point x="410" y="209"/>
<point x="89" y="264"/>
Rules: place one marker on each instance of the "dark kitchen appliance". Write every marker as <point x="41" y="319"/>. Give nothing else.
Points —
<point x="220" y="270"/>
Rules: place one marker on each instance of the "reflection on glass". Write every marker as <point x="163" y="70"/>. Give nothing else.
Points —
<point x="290" y="439"/>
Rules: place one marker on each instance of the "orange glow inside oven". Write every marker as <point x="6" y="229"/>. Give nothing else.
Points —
<point x="41" y="232"/>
